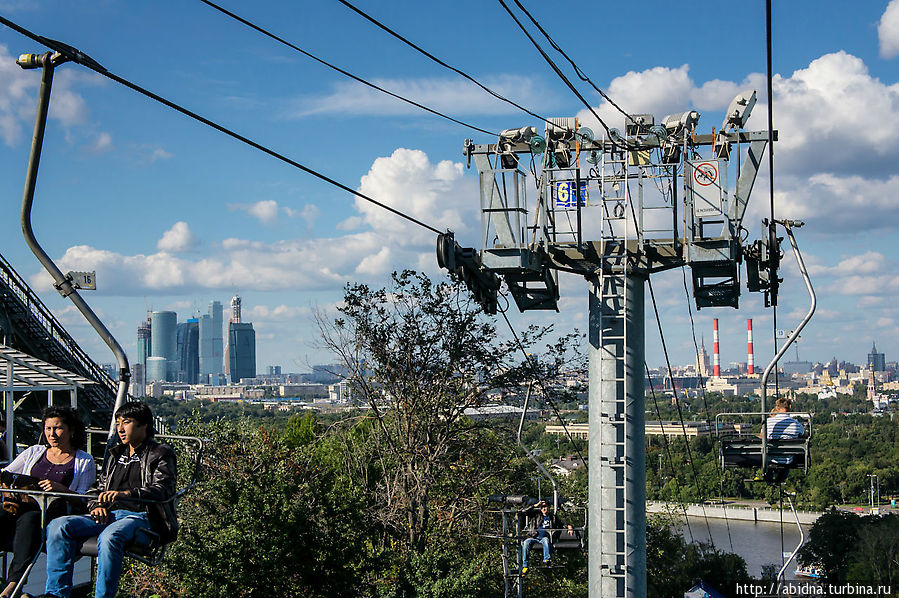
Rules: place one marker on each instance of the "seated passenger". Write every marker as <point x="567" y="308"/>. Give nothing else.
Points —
<point x="138" y="467"/>
<point x="782" y="426"/>
<point x="541" y="525"/>
<point x="61" y="466"/>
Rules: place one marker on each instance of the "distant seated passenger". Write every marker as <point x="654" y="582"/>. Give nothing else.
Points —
<point x="782" y="426"/>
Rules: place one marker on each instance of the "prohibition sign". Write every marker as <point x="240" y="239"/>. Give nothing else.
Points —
<point x="705" y="174"/>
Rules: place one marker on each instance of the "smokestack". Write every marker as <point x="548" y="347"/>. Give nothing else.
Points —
<point x="716" y="361"/>
<point x="750" y="357"/>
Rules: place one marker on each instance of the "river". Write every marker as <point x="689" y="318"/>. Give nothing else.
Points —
<point x="758" y="543"/>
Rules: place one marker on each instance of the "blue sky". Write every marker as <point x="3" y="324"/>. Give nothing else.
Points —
<point x="172" y="214"/>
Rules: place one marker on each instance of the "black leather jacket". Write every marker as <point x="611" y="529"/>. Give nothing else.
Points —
<point x="158" y="473"/>
<point x="533" y="519"/>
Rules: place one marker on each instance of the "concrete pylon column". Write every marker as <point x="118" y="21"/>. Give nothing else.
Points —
<point x="617" y="460"/>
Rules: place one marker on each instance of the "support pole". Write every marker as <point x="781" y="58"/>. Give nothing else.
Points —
<point x="617" y="461"/>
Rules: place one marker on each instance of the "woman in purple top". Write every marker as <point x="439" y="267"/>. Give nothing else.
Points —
<point x="61" y="466"/>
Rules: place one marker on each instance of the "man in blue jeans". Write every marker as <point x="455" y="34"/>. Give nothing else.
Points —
<point x="138" y="467"/>
<point x="541" y="525"/>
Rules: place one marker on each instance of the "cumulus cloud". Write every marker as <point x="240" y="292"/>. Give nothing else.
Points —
<point x="436" y="194"/>
<point x="837" y="158"/>
<point x="178" y="238"/>
<point x="279" y="313"/>
<point x="454" y="96"/>
<point x="17" y="98"/>
<point x="406" y="180"/>
<point x="267" y="211"/>
<point x="888" y="31"/>
<point x="103" y="143"/>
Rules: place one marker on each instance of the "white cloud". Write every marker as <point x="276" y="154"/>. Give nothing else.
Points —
<point x="454" y="96"/>
<point x="16" y="87"/>
<point x="279" y="313"/>
<point x="837" y="157"/>
<point x="309" y="213"/>
<point x="888" y="31"/>
<point x="102" y="143"/>
<point x="267" y="211"/>
<point x="438" y="194"/>
<point x="178" y="238"/>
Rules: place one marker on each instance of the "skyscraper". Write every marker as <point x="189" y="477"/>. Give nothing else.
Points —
<point x="211" y="341"/>
<point x="163" y="344"/>
<point x="876" y="361"/>
<point x="188" y="342"/>
<point x="241" y="351"/>
<point x="143" y="352"/>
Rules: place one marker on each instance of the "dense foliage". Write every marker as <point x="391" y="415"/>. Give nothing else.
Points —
<point x="849" y="548"/>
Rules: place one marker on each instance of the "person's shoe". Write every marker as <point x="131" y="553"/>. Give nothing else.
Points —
<point x="524" y="570"/>
<point x="547" y="562"/>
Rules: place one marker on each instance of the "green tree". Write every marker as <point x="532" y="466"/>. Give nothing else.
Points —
<point x="267" y="520"/>
<point x="830" y="543"/>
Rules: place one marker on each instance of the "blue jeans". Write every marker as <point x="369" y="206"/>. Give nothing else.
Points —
<point x="65" y="536"/>
<point x="527" y="547"/>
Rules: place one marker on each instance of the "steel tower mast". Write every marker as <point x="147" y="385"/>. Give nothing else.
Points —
<point x="616" y="210"/>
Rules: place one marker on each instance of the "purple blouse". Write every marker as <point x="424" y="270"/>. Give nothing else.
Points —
<point x="45" y="469"/>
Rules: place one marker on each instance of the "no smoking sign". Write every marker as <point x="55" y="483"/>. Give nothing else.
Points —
<point x="705" y="173"/>
<point x="706" y="188"/>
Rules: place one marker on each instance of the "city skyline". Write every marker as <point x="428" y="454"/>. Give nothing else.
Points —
<point x="122" y="189"/>
<point x="191" y="350"/>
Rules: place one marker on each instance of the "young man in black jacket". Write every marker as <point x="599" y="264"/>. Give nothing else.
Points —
<point x="138" y="467"/>
<point x="542" y="527"/>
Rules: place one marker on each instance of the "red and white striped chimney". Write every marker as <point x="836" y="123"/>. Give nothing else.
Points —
<point x="716" y="363"/>
<point x="750" y="357"/>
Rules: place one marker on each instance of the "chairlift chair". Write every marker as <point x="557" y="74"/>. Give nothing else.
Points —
<point x="742" y="451"/>
<point x="149" y="549"/>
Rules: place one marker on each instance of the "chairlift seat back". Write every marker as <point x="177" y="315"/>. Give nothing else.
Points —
<point x="747" y="452"/>
<point x="569" y="540"/>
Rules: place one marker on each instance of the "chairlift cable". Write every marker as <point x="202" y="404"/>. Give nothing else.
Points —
<point x="76" y="56"/>
<point x="680" y="412"/>
<point x="580" y="73"/>
<point x="547" y="397"/>
<point x="340" y="70"/>
<point x="704" y="401"/>
<point x="556" y="69"/>
<point x="655" y="401"/>
<point x="434" y="58"/>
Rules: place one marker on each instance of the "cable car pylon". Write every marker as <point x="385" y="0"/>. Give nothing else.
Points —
<point x="616" y="210"/>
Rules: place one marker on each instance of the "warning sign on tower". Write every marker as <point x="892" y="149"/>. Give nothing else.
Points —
<point x="705" y="185"/>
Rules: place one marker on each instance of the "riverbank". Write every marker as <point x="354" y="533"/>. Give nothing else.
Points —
<point x="737" y="513"/>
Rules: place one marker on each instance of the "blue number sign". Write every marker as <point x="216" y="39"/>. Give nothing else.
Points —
<point x="565" y="194"/>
